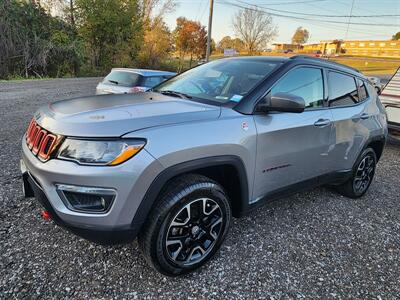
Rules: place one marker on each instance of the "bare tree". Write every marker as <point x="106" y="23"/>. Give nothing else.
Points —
<point x="61" y="8"/>
<point x="156" y="9"/>
<point x="254" y="27"/>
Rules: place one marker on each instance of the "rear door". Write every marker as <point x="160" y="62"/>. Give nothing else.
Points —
<point x="293" y="147"/>
<point x="353" y="118"/>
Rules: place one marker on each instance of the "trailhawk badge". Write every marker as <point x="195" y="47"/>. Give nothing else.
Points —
<point x="245" y="126"/>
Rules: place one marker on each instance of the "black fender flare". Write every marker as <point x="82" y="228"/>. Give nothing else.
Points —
<point x="378" y="138"/>
<point x="187" y="167"/>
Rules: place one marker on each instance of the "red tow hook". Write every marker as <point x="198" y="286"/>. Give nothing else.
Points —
<point x="45" y="215"/>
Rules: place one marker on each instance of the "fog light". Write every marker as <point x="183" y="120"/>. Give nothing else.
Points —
<point x="86" y="199"/>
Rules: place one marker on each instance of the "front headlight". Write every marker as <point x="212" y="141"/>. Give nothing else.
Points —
<point x="99" y="152"/>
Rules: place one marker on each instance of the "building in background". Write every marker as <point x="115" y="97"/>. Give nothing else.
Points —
<point x="282" y="47"/>
<point x="372" y="48"/>
<point x="330" y="47"/>
<point x="380" y="48"/>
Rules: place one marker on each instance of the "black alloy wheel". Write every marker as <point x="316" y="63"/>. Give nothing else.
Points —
<point x="193" y="231"/>
<point x="361" y="176"/>
<point x="364" y="174"/>
<point x="187" y="226"/>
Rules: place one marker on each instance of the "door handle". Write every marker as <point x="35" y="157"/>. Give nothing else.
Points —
<point x="322" y="122"/>
<point x="364" y="116"/>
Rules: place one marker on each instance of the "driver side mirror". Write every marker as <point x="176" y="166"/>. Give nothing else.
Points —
<point x="284" y="102"/>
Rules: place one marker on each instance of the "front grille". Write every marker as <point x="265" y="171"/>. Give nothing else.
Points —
<point x="40" y="141"/>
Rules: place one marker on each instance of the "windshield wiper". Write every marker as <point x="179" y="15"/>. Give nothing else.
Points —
<point x="176" y="94"/>
<point x="113" y="81"/>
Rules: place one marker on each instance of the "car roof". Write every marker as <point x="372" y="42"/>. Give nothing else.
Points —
<point x="298" y="59"/>
<point x="145" y="72"/>
<point x="327" y="64"/>
<point x="259" y="58"/>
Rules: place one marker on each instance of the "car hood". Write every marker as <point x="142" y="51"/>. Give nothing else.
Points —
<point x="116" y="115"/>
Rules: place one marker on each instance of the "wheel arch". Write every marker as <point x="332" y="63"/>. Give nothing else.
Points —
<point x="228" y="170"/>
<point x="377" y="144"/>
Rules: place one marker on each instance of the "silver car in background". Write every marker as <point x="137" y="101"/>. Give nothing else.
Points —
<point x="126" y="81"/>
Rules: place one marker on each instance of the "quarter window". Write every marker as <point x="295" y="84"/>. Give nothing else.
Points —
<point x="342" y="89"/>
<point x="303" y="82"/>
<point x="363" y="94"/>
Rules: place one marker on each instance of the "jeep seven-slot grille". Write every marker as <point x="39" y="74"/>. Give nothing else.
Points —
<point x="40" y="141"/>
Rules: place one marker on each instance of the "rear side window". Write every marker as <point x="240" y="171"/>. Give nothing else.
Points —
<point x="152" y="81"/>
<point x="342" y="89"/>
<point x="122" y="78"/>
<point x="304" y="82"/>
<point x="363" y="94"/>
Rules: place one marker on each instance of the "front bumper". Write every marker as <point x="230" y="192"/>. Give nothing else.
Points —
<point x="107" y="236"/>
<point x="130" y="180"/>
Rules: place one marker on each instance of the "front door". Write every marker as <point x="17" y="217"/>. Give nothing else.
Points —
<point x="293" y="147"/>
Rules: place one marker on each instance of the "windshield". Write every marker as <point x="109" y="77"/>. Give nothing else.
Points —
<point x="220" y="80"/>
<point x="122" y="78"/>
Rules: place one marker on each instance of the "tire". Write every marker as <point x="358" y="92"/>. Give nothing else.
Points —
<point x="363" y="172"/>
<point x="187" y="225"/>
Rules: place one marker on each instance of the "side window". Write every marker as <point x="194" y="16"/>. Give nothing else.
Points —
<point x="304" y="82"/>
<point x="342" y="89"/>
<point x="363" y="94"/>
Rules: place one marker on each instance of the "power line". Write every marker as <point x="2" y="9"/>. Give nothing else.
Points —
<point x="302" y="18"/>
<point x="204" y="10"/>
<point x="198" y="10"/>
<point x="295" y="2"/>
<point x="352" y="30"/>
<point x="359" y="8"/>
<point x="318" y="15"/>
<point x="339" y="28"/>
<point x="348" y="23"/>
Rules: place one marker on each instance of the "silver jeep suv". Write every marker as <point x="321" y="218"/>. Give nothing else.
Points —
<point x="174" y="164"/>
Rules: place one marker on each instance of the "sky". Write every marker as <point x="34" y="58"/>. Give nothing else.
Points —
<point x="299" y="13"/>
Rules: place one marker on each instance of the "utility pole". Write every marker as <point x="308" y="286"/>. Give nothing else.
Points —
<point x="209" y="30"/>
<point x="348" y="23"/>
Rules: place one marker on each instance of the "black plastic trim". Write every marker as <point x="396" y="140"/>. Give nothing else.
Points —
<point x="99" y="235"/>
<point x="187" y="167"/>
<point x="379" y="138"/>
<point x="331" y="178"/>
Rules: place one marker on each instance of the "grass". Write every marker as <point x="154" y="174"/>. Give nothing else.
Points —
<point x="367" y="65"/>
<point x="371" y="66"/>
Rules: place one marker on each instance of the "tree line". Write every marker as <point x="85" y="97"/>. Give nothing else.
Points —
<point x="88" y="37"/>
<point x="56" y="38"/>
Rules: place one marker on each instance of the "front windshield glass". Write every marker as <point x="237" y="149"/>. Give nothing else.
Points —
<point x="220" y="80"/>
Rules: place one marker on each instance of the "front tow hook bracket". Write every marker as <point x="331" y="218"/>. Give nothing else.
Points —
<point x="45" y="215"/>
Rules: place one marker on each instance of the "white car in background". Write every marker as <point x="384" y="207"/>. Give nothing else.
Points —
<point x="125" y="81"/>
<point x="390" y="97"/>
<point x="376" y="82"/>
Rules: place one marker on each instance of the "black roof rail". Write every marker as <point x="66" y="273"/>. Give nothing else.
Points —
<point x="325" y="61"/>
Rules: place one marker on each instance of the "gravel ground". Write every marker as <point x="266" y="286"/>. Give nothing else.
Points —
<point x="311" y="245"/>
